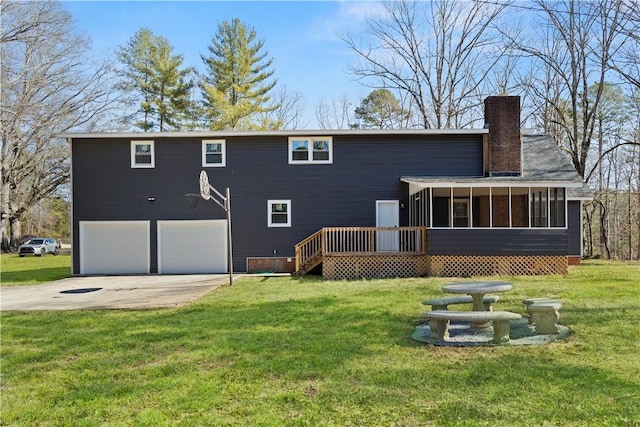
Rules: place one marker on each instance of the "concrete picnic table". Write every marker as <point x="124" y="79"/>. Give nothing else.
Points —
<point x="477" y="290"/>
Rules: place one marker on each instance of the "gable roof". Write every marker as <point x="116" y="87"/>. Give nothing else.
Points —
<point x="542" y="160"/>
<point x="543" y="164"/>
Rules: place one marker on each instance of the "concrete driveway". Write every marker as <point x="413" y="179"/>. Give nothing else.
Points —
<point x="111" y="292"/>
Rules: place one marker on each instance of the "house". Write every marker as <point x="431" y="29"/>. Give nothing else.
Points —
<point x="353" y="203"/>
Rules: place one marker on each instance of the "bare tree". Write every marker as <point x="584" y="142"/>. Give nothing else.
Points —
<point x="286" y="110"/>
<point x="627" y="61"/>
<point x="336" y="113"/>
<point x="571" y="45"/>
<point x="614" y="213"/>
<point x="441" y="53"/>
<point x="48" y="86"/>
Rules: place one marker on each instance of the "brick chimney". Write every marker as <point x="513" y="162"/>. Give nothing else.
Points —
<point x="503" y="146"/>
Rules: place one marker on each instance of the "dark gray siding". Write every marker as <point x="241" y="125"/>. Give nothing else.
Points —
<point x="574" y="213"/>
<point x="468" y="241"/>
<point x="364" y="170"/>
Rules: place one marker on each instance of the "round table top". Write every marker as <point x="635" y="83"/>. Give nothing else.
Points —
<point x="477" y="287"/>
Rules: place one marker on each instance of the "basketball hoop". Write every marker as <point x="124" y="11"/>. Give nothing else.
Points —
<point x="225" y="203"/>
<point x="205" y="188"/>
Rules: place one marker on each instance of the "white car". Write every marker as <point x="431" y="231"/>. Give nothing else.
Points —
<point x="39" y="246"/>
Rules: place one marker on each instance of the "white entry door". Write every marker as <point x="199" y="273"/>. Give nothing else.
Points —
<point x="387" y="215"/>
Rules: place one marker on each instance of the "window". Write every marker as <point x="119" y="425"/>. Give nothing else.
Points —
<point x="321" y="151"/>
<point x="460" y="212"/>
<point x="279" y="213"/>
<point x="460" y="208"/>
<point x="441" y="206"/>
<point x="142" y="154"/>
<point x="213" y="153"/>
<point x="539" y="207"/>
<point x="305" y="150"/>
<point x="557" y="200"/>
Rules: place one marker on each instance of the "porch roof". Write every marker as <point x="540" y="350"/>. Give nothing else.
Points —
<point x="543" y="165"/>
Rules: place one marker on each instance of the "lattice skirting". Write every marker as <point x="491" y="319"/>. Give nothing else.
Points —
<point x="371" y="266"/>
<point x="466" y="266"/>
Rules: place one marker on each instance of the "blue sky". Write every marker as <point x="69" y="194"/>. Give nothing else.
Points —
<point x="302" y="37"/>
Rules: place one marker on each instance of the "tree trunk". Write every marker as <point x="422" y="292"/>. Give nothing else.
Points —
<point x="630" y="221"/>
<point x="589" y="234"/>
<point x="604" y="242"/>
<point x="4" y="237"/>
<point x="638" y="224"/>
<point x="16" y="232"/>
<point x="4" y="232"/>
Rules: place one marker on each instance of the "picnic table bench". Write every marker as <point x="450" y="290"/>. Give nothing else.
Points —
<point x="443" y="303"/>
<point x="439" y="322"/>
<point x="544" y="314"/>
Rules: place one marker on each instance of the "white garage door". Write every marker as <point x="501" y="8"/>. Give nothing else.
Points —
<point x="192" y="247"/>
<point x="114" y="247"/>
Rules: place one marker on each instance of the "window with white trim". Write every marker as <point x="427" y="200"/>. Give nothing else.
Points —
<point x="213" y="153"/>
<point x="142" y="154"/>
<point x="279" y="213"/>
<point x="311" y="150"/>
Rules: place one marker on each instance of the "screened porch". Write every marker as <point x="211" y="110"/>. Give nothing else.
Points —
<point x="442" y="205"/>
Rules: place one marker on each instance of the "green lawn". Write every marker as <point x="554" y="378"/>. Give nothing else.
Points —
<point x="300" y="351"/>
<point x="32" y="270"/>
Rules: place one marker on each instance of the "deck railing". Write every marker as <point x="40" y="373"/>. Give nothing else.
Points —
<point x="359" y="241"/>
<point x="309" y="253"/>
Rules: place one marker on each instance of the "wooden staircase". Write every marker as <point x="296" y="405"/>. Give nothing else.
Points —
<point x="358" y="241"/>
<point x="309" y="253"/>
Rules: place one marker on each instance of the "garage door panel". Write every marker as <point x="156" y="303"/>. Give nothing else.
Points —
<point x="110" y="247"/>
<point x="192" y="247"/>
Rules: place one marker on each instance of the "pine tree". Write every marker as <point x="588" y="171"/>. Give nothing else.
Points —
<point x="172" y="87"/>
<point x="136" y="75"/>
<point x="381" y="110"/>
<point x="156" y="81"/>
<point x="236" y="88"/>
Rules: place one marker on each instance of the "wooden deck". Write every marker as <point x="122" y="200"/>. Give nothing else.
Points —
<point x="367" y="252"/>
<point x="353" y="252"/>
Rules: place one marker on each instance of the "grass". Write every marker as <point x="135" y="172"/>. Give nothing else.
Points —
<point x="300" y="351"/>
<point x="32" y="270"/>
